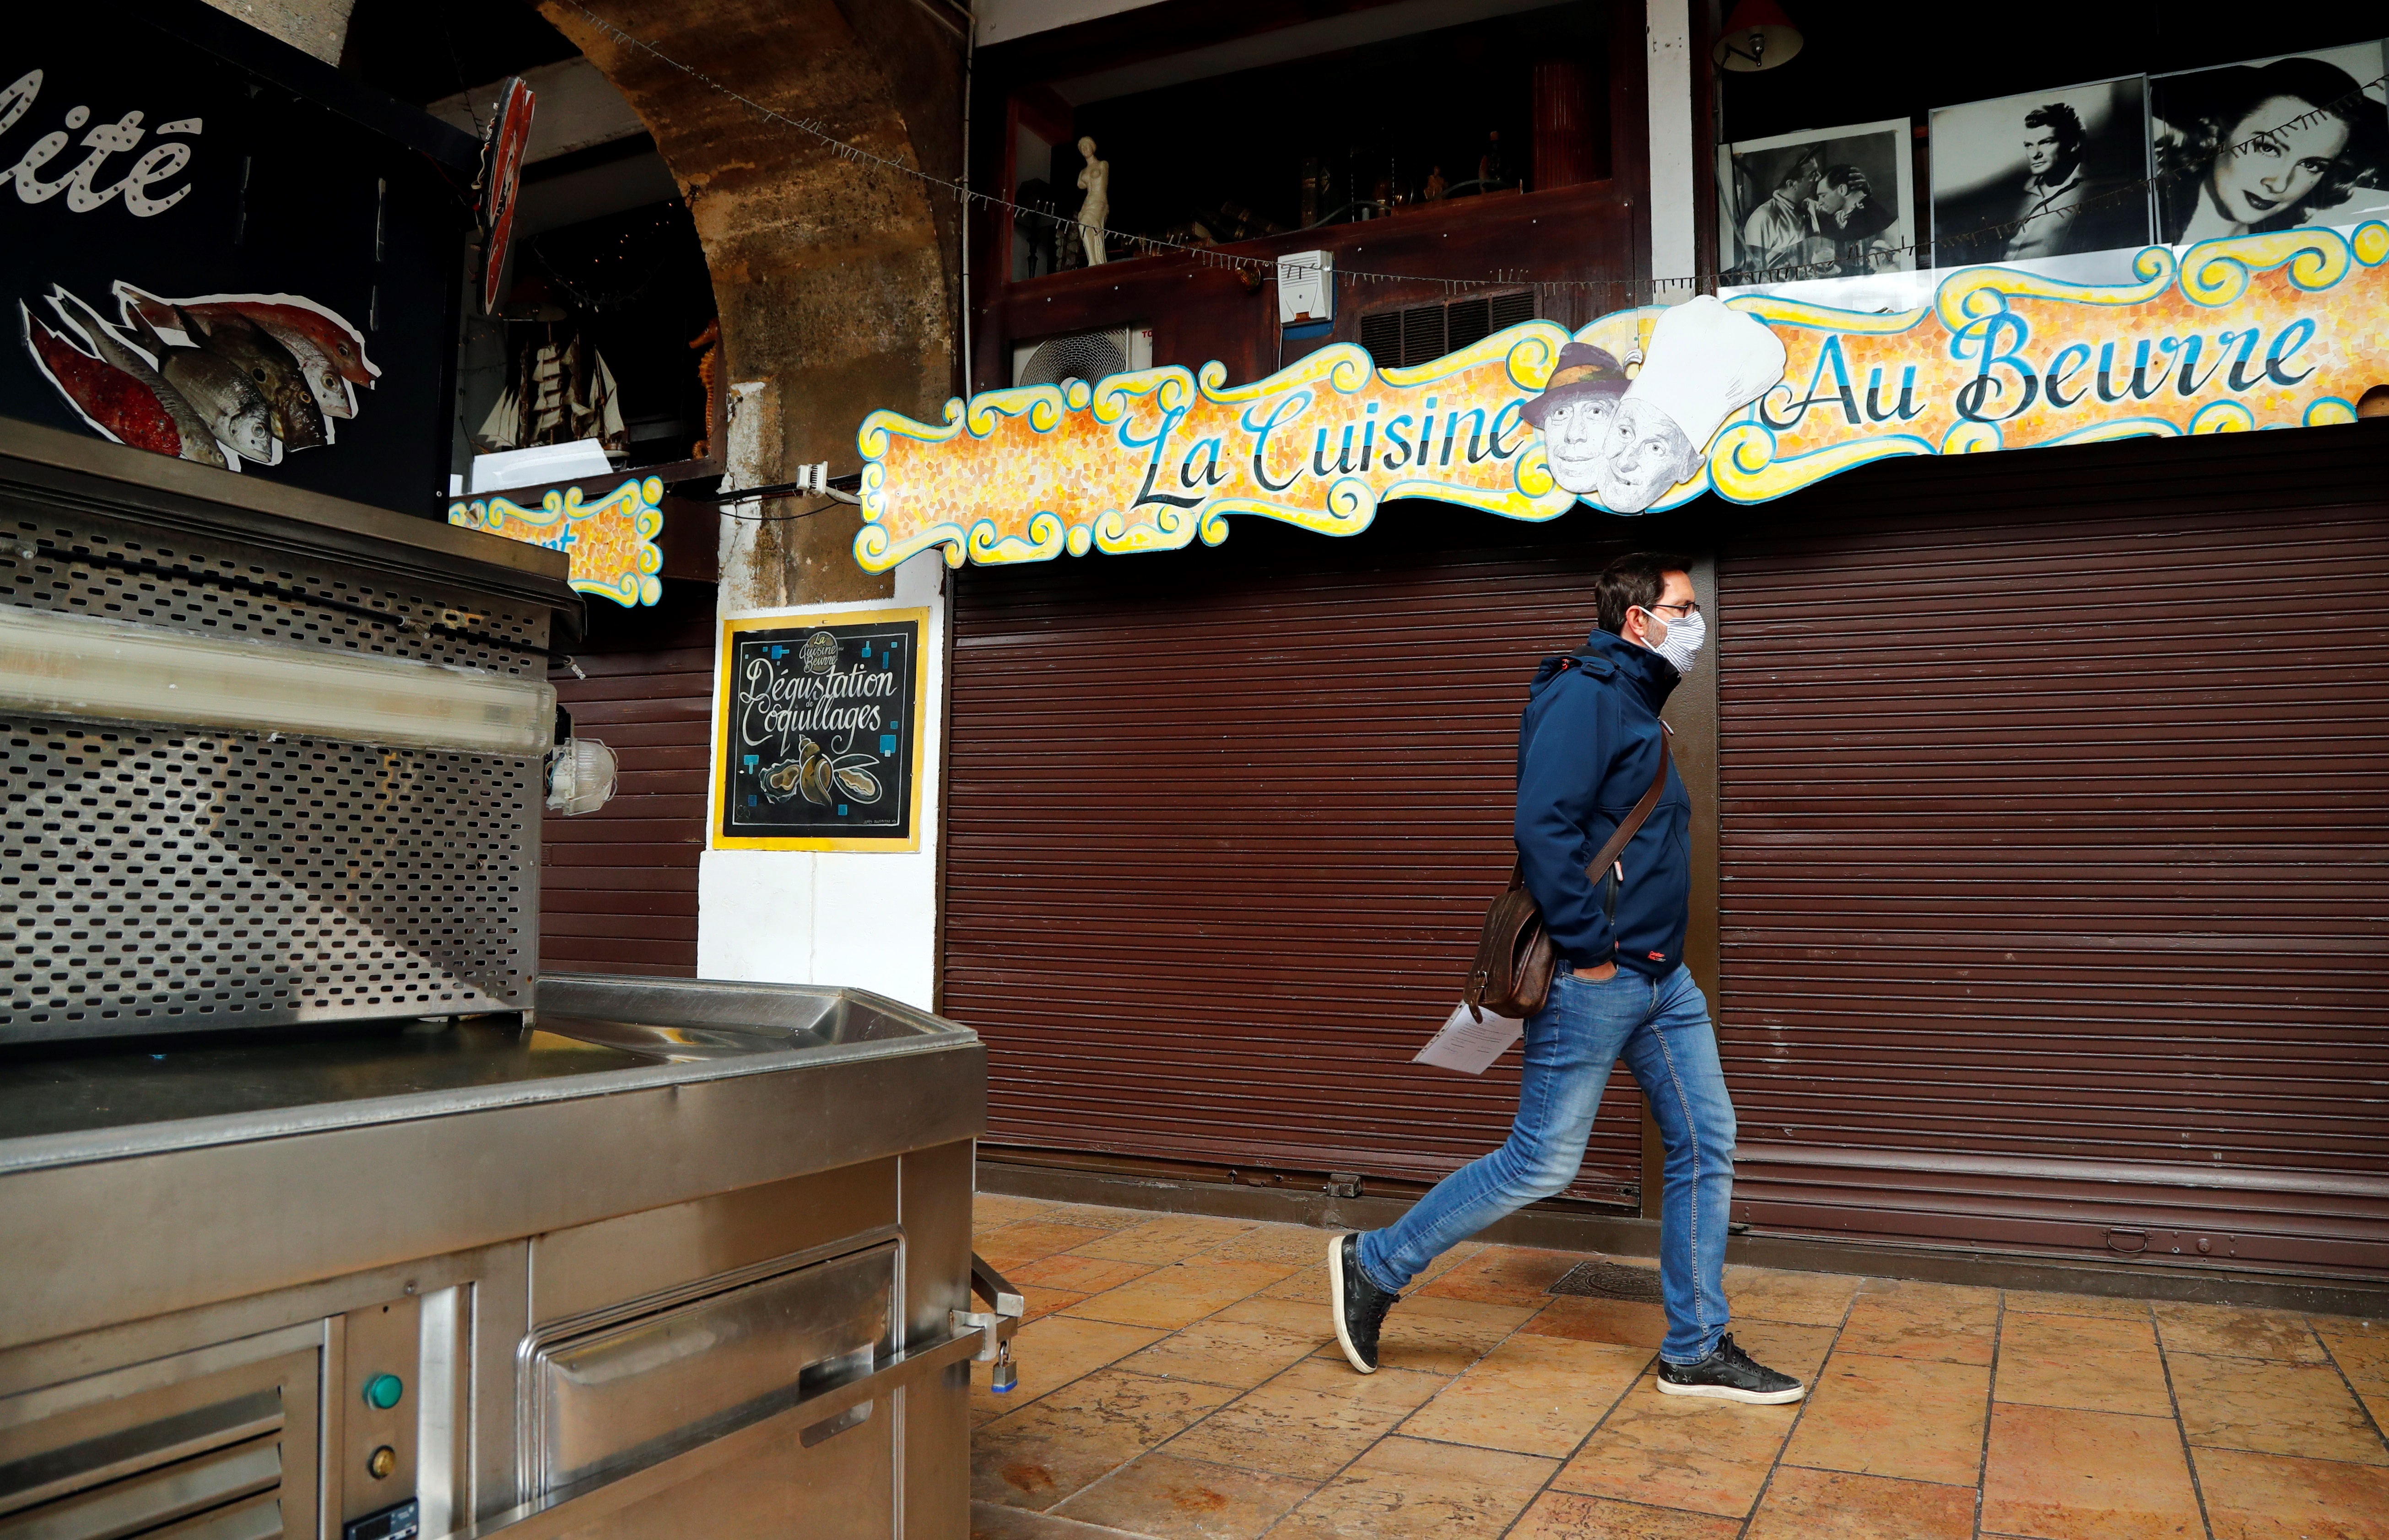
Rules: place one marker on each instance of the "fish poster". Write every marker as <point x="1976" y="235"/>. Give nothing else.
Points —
<point x="1751" y="396"/>
<point x="205" y="262"/>
<point x="818" y="732"/>
<point x="213" y="377"/>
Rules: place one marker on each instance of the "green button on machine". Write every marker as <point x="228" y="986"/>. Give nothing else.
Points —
<point x="384" y="1391"/>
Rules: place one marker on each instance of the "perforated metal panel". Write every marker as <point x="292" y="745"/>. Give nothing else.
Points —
<point x="183" y="881"/>
<point x="156" y="880"/>
<point x="40" y="569"/>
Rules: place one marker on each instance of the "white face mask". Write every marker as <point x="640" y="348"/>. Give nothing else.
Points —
<point x="1683" y="644"/>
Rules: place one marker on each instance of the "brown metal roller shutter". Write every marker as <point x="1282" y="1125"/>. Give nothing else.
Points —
<point x="1221" y="826"/>
<point x="618" y="887"/>
<point x="2055" y="819"/>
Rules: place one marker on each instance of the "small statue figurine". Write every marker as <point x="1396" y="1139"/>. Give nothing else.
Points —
<point x="1435" y="185"/>
<point x="1096" y="182"/>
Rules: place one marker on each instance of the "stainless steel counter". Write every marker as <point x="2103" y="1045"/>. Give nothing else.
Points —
<point x="516" y="1222"/>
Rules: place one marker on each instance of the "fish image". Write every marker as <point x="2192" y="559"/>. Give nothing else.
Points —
<point x="297" y="421"/>
<point x="235" y="409"/>
<point x="110" y="400"/>
<point x="327" y="349"/>
<point x="820" y="777"/>
<point x="198" y="436"/>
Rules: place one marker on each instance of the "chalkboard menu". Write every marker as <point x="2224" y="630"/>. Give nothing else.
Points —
<point x="820" y="721"/>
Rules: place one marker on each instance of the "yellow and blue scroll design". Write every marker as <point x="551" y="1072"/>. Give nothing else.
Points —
<point x="611" y="541"/>
<point x="2278" y="330"/>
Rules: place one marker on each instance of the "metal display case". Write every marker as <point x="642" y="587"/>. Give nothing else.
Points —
<point x="320" y="1214"/>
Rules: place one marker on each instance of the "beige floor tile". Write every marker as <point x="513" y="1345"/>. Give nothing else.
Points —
<point x="2254" y="1496"/>
<point x="1223" y="1353"/>
<point x="1668" y="1451"/>
<point x="2071" y="1475"/>
<point x="1950" y="1327"/>
<point x="2272" y="1407"/>
<point x="1629" y="1322"/>
<point x="1032" y="1240"/>
<point x="1173" y="1297"/>
<point x="1569" y="1516"/>
<point x="1836" y="1505"/>
<point x="1798" y="1351"/>
<point x="1955" y="1296"/>
<point x="1308" y="1285"/>
<point x="1309" y="1422"/>
<point x="1448" y="1261"/>
<point x="1505" y="1274"/>
<point x="2359" y="1347"/>
<point x="2027" y="1301"/>
<point x="1043" y="1302"/>
<point x="1802" y="1299"/>
<point x="1100" y="1216"/>
<point x="1051" y="1448"/>
<point x="2233" y="1333"/>
<point x="1532" y="1395"/>
<point x="1298" y="1243"/>
<point x="1297" y="1318"/>
<point x="991" y="1209"/>
<point x="1182" y="1499"/>
<point x="1160" y="1241"/>
<point x="1084" y="1275"/>
<point x="1910" y="1418"/>
<point x="2090" y="1363"/>
<point x="1441" y="1336"/>
<point x="1404" y="1488"/>
<point x="1052" y="1353"/>
<point x="994" y="1521"/>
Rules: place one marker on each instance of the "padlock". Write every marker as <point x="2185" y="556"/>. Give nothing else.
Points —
<point x="1003" y="1376"/>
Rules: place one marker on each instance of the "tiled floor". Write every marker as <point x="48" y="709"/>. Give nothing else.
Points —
<point x="1181" y="1380"/>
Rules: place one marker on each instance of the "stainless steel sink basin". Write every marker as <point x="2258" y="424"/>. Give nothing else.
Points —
<point x="679" y="1022"/>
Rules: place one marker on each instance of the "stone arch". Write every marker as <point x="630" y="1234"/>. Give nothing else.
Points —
<point x="836" y="282"/>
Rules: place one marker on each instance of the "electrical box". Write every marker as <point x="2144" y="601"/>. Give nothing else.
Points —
<point x="1306" y="287"/>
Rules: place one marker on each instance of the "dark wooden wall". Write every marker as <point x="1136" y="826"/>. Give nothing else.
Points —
<point x="618" y="887"/>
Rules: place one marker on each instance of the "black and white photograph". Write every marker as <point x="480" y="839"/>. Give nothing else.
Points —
<point x="1818" y="204"/>
<point x="2043" y="173"/>
<point x="2271" y="144"/>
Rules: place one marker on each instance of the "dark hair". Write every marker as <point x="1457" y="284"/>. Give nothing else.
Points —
<point x="2065" y="119"/>
<point x="1635" y="582"/>
<point x="1842" y="176"/>
<point x="2229" y="95"/>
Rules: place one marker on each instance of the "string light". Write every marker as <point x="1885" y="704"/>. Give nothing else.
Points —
<point x="969" y="197"/>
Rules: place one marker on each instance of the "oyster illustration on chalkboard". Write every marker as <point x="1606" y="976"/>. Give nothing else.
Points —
<point x="820" y="777"/>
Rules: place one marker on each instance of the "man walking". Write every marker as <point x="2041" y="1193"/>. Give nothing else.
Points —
<point x="1588" y="748"/>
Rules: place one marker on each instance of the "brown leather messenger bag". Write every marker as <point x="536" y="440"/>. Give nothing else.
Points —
<point x="1514" y="962"/>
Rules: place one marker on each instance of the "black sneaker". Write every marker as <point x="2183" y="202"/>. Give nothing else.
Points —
<point x="1729" y="1374"/>
<point x="1360" y="1306"/>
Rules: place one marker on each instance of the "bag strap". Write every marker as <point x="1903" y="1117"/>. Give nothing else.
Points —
<point x="1626" y="830"/>
<point x="1632" y="825"/>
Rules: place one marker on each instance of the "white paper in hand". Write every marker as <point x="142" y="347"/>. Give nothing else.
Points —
<point x="1468" y="1045"/>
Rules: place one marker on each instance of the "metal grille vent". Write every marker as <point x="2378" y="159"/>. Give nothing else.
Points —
<point x="188" y="879"/>
<point x="1420" y="333"/>
<point x="38" y="570"/>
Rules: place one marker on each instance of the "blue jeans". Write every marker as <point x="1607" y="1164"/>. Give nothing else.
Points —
<point x="1661" y="1028"/>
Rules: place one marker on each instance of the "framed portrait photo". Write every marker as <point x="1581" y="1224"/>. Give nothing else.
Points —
<point x="1821" y="203"/>
<point x="2041" y="173"/>
<point x="2271" y="144"/>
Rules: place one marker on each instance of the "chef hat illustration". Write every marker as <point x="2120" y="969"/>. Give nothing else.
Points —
<point x="1707" y="361"/>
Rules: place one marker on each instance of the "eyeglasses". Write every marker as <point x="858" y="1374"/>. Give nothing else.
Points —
<point x="1689" y="606"/>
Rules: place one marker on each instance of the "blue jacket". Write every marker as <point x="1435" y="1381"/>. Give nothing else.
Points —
<point x="1587" y="746"/>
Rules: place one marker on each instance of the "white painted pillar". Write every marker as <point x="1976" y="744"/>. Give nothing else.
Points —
<point x="1669" y="60"/>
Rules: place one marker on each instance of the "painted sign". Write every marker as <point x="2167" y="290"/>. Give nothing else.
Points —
<point x="612" y="541"/>
<point x="817" y="728"/>
<point x="202" y="258"/>
<point x="1750" y="397"/>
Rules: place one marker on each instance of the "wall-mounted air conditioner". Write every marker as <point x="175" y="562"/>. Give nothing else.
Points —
<point x="1082" y="355"/>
